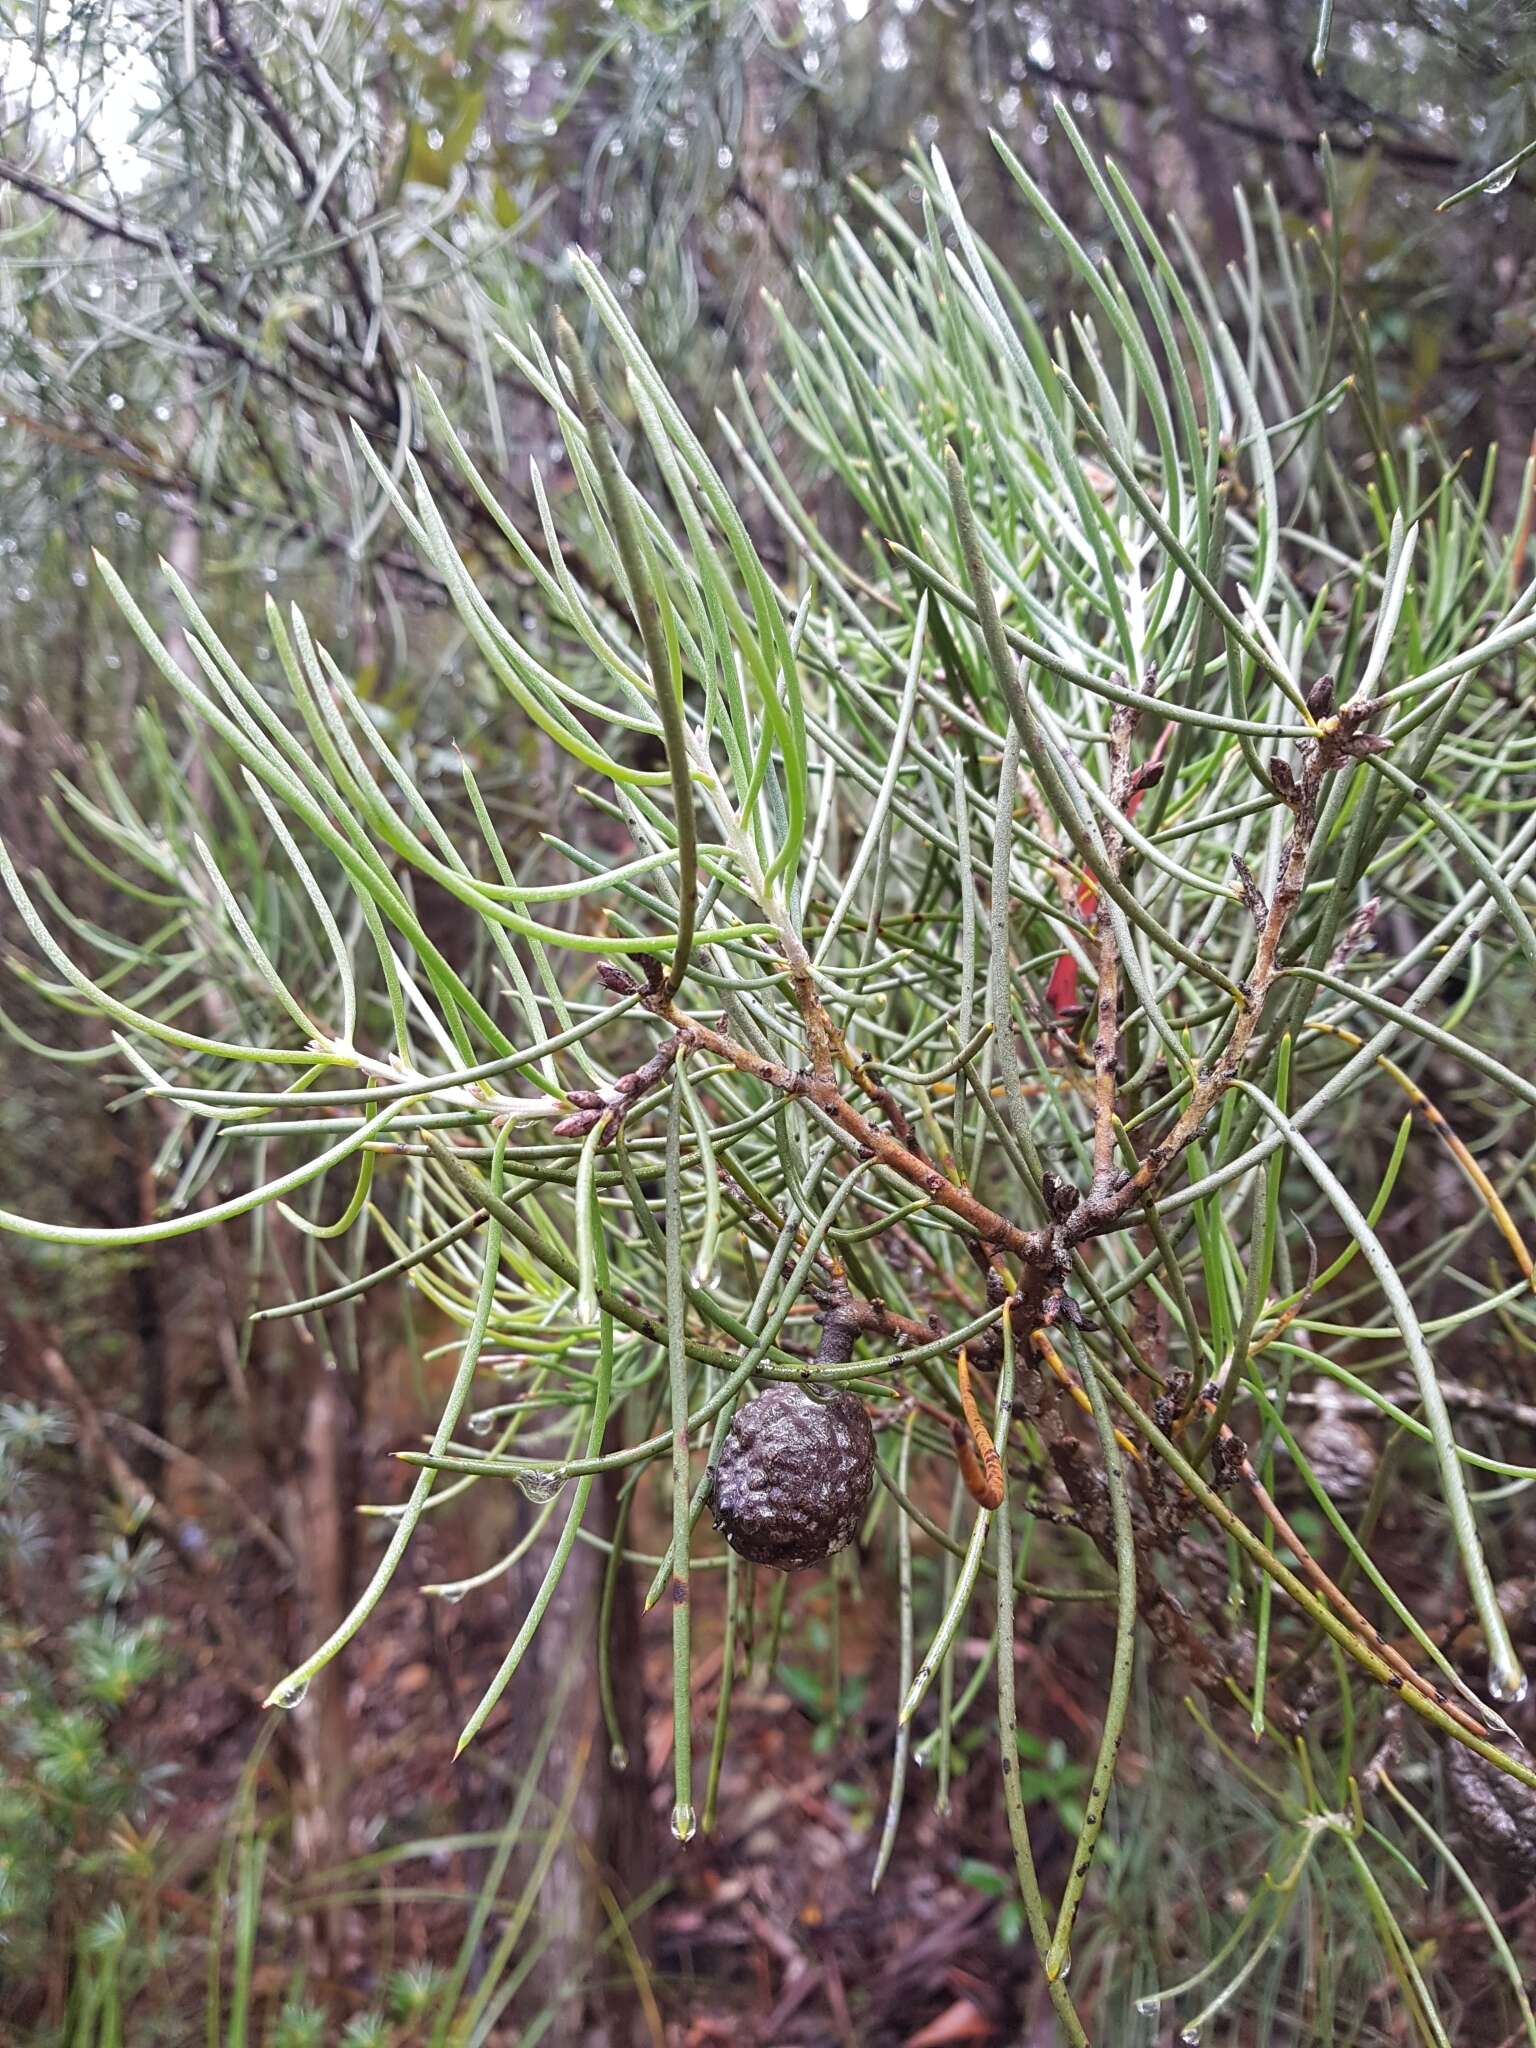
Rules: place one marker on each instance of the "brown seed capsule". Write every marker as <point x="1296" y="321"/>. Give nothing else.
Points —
<point x="794" y="1477"/>
<point x="1342" y="1454"/>
<point x="1497" y="1815"/>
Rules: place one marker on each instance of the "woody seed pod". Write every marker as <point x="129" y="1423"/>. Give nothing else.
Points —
<point x="794" y="1477"/>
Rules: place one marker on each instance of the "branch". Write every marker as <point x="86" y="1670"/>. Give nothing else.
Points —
<point x="1036" y="1249"/>
<point x="1338" y="738"/>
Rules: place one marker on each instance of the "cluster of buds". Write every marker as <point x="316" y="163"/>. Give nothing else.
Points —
<point x="590" y="1106"/>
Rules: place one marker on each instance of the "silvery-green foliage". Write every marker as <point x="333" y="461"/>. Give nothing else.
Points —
<point x="1009" y="936"/>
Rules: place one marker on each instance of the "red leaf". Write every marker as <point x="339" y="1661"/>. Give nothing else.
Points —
<point x="1061" y="989"/>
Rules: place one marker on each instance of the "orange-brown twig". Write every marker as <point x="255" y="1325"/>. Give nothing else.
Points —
<point x="1492" y="1200"/>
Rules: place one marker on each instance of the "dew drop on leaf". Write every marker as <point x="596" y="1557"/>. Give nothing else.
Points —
<point x="684" y="1823"/>
<point x="1508" y="1684"/>
<point x="289" y="1695"/>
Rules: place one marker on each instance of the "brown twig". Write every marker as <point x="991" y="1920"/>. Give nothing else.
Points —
<point x="229" y="49"/>
<point x="1106" y="1042"/>
<point x="1337" y="737"/>
<point x="995" y="1232"/>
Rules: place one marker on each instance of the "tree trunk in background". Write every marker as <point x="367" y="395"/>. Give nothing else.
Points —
<point x="609" y="1836"/>
<point x="319" y="1498"/>
<point x="184" y="553"/>
<point x="1133" y="150"/>
<point x="1207" y="157"/>
<point x="158" y="1379"/>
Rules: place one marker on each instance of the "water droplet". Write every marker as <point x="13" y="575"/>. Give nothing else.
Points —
<point x="449" y="1595"/>
<point x="1190" y="2038"/>
<point x="1066" y="1968"/>
<point x="684" y="1823"/>
<point x="115" y="401"/>
<point x="540" y="1486"/>
<point x="1147" y="2007"/>
<point x="618" y="1757"/>
<point x="1503" y="181"/>
<point x="290" y="1694"/>
<point x="724" y="158"/>
<point x="79" y="578"/>
<point x="1508" y="1684"/>
<point x="482" y="1422"/>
